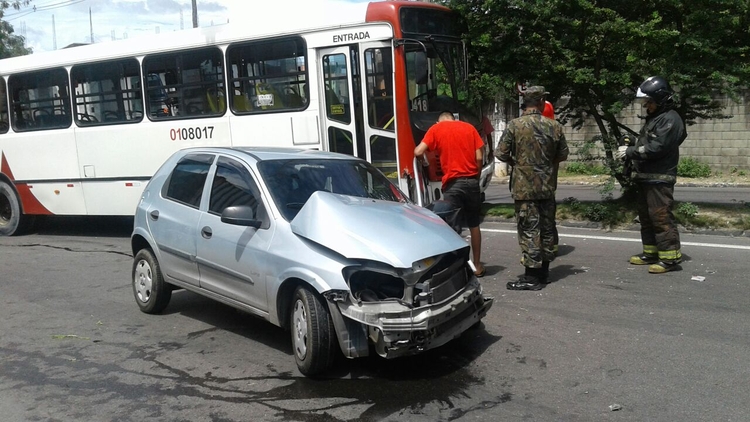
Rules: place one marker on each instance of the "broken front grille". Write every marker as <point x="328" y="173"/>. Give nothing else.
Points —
<point x="445" y="282"/>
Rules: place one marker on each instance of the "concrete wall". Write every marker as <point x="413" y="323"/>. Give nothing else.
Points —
<point x="722" y="144"/>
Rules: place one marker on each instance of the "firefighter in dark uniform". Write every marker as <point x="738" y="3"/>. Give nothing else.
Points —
<point x="654" y="158"/>
<point x="533" y="145"/>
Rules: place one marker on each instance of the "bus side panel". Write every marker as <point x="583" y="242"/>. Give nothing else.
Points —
<point x="119" y="197"/>
<point x="276" y="130"/>
<point x="116" y="161"/>
<point x="46" y="162"/>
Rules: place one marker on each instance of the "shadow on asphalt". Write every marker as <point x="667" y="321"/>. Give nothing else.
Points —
<point x="83" y="226"/>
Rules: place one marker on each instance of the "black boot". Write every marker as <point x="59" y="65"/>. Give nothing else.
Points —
<point x="544" y="273"/>
<point x="528" y="281"/>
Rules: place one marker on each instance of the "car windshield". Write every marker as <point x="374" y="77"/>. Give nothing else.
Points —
<point x="291" y="182"/>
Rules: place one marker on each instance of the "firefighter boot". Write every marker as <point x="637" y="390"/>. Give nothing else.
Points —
<point x="644" y="259"/>
<point x="662" y="267"/>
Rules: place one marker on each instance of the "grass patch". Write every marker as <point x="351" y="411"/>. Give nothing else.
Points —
<point x="713" y="216"/>
<point x="692" y="168"/>
<point x="501" y="210"/>
<point x="586" y="169"/>
<point x="609" y="213"/>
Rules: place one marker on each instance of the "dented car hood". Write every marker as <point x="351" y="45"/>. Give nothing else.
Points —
<point x="394" y="233"/>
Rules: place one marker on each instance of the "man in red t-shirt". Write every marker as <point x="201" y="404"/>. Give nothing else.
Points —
<point x="460" y="149"/>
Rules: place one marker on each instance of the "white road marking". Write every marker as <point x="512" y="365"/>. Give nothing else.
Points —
<point x="627" y="239"/>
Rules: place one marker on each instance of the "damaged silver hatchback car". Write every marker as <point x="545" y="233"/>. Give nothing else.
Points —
<point x="320" y="243"/>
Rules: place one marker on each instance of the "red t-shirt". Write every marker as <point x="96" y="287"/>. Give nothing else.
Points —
<point x="456" y="143"/>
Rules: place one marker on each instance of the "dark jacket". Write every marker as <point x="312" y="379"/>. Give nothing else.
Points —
<point x="656" y="153"/>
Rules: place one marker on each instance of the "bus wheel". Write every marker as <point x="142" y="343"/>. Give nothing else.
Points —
<point x="314" y="340"/>
<point x="12" y="221"/>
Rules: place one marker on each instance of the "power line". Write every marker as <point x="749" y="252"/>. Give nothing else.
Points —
<point x="20" y="14"/>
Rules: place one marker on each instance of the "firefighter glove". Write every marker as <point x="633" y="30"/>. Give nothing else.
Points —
<point x="620" y="154"/>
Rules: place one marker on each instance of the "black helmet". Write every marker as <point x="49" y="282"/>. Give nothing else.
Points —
<point x="655" y="88"/>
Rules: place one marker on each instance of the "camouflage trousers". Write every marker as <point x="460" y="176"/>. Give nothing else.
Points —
<point x="536" y="231"/>
<point x="659" y="233"/>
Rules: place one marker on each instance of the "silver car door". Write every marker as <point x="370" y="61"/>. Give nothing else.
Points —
<point x="232" y="258"/>
<point x="173" y="220"/>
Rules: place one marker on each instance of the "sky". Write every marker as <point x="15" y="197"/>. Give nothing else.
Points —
<point x="119" y="19"/>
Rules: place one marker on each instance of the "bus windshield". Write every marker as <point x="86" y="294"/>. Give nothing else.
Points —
<point x="436" y="76"/>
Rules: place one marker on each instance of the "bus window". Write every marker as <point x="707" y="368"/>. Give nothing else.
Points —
<point x="185" y="84"/>
<point x="4" y="125"/>
<point x="340" y="141"/>
<point x="105" y="92"/>
<point x="378" y="71"/>
<point x="268" y="76"/>
<point x="338" y="107"/>
<point x="40" y="100"/>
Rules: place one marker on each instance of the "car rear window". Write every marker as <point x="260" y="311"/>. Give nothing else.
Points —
<point x="188" y="178"/>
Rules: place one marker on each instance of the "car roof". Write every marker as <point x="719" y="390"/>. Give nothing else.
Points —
<point x="272" y="153"/>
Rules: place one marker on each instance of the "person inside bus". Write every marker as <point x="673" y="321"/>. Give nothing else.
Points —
<point x="460" y="149"/>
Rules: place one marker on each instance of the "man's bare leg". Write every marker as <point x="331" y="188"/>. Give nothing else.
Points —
<point x="476" y="248"/>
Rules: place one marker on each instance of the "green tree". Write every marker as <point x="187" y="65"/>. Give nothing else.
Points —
<point x="11" y="44"/>
<point x="597" y="52"/>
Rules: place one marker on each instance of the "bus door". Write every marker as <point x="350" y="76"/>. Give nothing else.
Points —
<point x="379" y="129"/>
<point x="342" y="100"/>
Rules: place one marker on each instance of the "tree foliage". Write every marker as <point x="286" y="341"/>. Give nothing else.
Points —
<point x="11" y="44"/>
<point x="597" y="52"/>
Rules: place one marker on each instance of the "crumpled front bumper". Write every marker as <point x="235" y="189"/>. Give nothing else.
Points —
<point x="397" y="330"/>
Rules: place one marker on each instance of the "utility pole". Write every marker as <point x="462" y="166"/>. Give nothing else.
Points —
<point x="54" y="34"/>
<point x="195" y="13"/>
<point x="91" y="25"/>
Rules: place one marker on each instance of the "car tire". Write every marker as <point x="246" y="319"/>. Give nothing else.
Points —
<point x="12" y="220"/>
<point x="314" y="341"/>
<point x="152" y="293"/>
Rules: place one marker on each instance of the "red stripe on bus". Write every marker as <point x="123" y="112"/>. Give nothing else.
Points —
<point x="30" y="204"/>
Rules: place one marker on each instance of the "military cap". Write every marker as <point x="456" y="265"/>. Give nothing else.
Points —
<point x="535" y="92"/>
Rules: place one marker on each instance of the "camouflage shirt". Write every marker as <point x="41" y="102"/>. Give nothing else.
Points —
<point x="533" y="145"/>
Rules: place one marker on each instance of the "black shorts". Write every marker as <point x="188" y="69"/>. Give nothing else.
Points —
<point x="464" y="193"/>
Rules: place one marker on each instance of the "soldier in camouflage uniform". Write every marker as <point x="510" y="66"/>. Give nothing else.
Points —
<point x="654" y="158"/>
<point x="533" y="145"/>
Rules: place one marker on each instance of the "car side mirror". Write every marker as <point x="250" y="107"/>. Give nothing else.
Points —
<point x="240" y="215"/>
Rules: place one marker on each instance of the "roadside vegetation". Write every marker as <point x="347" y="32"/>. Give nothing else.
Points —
<point x="611" y="213"/>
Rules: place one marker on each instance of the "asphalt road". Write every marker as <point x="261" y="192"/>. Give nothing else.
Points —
<point x="497" y="193"/>
<point x="603" y="335"/>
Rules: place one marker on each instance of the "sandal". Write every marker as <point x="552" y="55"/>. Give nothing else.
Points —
<point x="481" y="273"/>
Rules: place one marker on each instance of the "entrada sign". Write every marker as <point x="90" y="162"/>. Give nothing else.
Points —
<point x="352" y="36"/>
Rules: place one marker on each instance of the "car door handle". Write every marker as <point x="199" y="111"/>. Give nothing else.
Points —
<point x="154" y="215"/>
<point x="206" y="232"/>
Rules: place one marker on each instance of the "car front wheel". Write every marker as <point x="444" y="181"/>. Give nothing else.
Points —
<point x="313" y="334"/>
<point x="152" y="293"/>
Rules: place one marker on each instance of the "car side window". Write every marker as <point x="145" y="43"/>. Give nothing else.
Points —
<point x="186" y="182"/>
<point x="234" y="186"/>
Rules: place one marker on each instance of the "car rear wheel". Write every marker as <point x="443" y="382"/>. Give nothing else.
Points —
<point x="152" y="293"/>
<point x="313" y="334"/>
<point x="12" y="220"/>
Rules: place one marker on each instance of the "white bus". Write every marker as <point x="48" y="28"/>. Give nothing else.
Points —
<point x="83" y="129"/>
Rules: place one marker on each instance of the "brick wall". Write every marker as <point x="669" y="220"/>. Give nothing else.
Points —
<point x="722" y="144"/>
